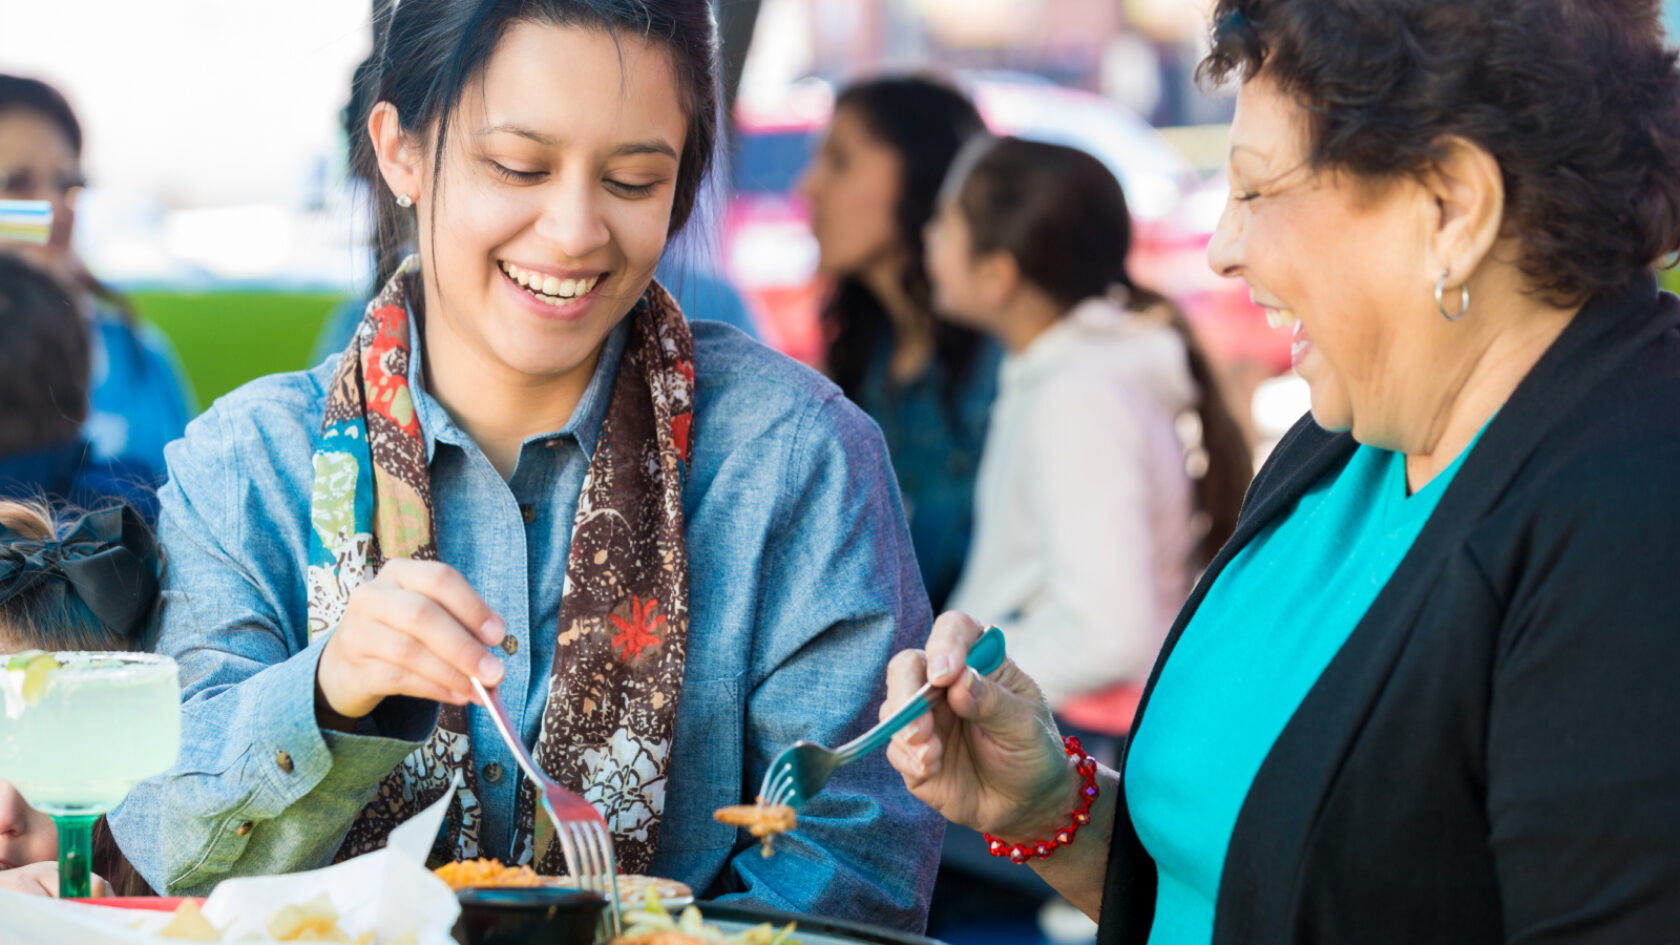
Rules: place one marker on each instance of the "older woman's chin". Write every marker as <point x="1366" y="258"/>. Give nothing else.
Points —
<point x="1330" y="408"/>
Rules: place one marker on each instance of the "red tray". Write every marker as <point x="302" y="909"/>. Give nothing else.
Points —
<point x="147" y="903"/>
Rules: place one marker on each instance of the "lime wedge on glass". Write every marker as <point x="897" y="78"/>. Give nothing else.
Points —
<point x="36" y="668"/>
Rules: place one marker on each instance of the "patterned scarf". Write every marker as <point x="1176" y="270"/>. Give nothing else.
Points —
<point x="623" y="630"/>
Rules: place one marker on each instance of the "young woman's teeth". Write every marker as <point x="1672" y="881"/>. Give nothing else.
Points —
<point x="548" y="288"/>
<point x="1280" y="317"/>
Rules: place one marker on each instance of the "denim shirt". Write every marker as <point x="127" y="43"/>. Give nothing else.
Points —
<point x="802" y="585"/>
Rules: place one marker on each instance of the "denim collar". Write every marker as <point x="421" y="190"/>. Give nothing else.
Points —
<point x="584" y="426"/>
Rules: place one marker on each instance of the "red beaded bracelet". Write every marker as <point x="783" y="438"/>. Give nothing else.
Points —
<point x="1022" y="852"/>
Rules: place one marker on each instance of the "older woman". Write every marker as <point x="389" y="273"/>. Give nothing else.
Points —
<point x="1426" y="693"/>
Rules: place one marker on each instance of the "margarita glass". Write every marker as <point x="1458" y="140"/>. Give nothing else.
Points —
<point x="78" y="732"/>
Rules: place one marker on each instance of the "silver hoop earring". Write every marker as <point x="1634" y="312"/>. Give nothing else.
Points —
<point x="1463" y="298"/>
<point x="405" y="201"/>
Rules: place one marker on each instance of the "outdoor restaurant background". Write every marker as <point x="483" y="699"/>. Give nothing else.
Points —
<point x="219" y="199"/>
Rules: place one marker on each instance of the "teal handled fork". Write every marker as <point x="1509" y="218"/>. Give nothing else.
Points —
<point x="801" y="771"/>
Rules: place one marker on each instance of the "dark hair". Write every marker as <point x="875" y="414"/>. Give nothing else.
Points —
<point x="1578" y="101"/>
<point x="433" y="49"/>
<point x="927" y="123"/>
<point x="44" y="372"/>
<point x="1062" y="216"/>
<point x="23" y="94"/>
<point x="20" y="93"/>
<point x="38" y="617"/>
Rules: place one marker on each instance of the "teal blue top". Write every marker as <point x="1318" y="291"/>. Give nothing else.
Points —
<point x="1268" y="627"/>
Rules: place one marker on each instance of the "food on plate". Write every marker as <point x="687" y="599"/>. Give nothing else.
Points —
<point x="761" y="819"/>
<point x="467" y="874"/>
<point x="312" y="921"/>
<point x="653" y="925"/>
<point x="189" y="924"/>
<point x="634" y="887"/>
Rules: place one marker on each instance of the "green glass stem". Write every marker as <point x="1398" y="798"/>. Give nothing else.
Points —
<point x="75" y="855"/>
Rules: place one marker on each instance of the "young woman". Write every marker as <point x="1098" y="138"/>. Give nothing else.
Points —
<point x="657" y="541"/>
<point x="929" y="384"/>
<point x="1089" y="526"/>
<point x="140" y="399"/>
<point x="41" y="608"/>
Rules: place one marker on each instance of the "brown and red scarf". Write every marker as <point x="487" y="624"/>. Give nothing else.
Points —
<point x="623" y="629"/>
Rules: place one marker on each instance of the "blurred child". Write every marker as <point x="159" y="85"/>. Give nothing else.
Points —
<point x="44" y="608"/>
<point x="1113" y="469"/>
<point x="44" y="395"/>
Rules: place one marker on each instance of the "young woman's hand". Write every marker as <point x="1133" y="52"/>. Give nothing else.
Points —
<point x="41" y="879"/>
<point x="417" y="629"/>
<point x="987" y="755"/>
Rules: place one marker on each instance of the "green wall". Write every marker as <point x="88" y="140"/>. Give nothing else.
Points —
<point x="228" y="338"/>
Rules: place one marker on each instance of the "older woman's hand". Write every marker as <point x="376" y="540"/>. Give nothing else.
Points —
<point x="987" y="755"/>
<point x="41" y="879"/>
<point x="417" y="629"/>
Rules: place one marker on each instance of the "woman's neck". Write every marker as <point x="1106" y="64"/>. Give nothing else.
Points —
<point x="1518" y="332"/>
<point x="498" y="407"/>
<point x="1028" y="315"/>
<point x="913" y="326"/>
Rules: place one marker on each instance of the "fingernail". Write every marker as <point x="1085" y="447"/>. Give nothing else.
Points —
<point x="489" y="670"/>
<point x="939" y="667"/>
<point x="971" y="681"/>
<point x="493" y="630"/>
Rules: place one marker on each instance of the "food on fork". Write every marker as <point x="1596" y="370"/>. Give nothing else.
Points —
<point x="466" y="874"/>
<point x="761" y="819"/>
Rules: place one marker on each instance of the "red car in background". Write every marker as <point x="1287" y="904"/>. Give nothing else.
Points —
<point x="770" y="255"/>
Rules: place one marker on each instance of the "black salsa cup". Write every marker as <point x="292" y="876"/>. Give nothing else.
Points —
<point x="528" y="915"/>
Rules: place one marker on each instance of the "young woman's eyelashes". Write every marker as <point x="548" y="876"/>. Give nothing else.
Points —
<point x="622" y="188"/>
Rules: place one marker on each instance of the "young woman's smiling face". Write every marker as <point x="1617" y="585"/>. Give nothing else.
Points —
<point x="554" y="203"/>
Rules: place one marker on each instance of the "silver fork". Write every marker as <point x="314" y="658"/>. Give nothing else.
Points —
<point x="801" y="771"/>
<point x="580" y="828"/>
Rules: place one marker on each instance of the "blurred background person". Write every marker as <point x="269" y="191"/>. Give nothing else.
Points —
<point x="44" y="381"/>
<point x="872" y="187"/>
<point x="139" y="399"/>
<point x="1089" y="524"/>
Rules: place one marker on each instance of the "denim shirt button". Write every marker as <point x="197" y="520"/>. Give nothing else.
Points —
<point x="283" y="761"/>
<point x="510" y="644"/>
<point x="528" y="513"/>
<point x="493" y="773"/>
<point x="243" y="829"/>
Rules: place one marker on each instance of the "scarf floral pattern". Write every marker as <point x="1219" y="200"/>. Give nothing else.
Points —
<point x="623" y="630"/>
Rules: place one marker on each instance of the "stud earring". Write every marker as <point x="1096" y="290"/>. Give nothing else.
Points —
<point x="405" y="201"/>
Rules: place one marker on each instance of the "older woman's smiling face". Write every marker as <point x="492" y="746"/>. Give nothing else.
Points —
<point x="1345" y="258"/>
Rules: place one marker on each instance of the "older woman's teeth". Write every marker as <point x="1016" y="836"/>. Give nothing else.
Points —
<point x="1280" y="317"/>
<point x="548" y="288"/>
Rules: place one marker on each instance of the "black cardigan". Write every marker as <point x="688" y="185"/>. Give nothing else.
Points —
<point x="1494" y="754"/>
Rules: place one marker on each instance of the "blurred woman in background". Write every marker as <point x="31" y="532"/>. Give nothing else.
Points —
<point x="929" y="384"/>
<point x="1089" y="525"/>
<point x="140" y="398"/>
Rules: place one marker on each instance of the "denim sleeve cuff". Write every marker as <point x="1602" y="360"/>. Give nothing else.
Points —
<point x="301" y="754"/>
